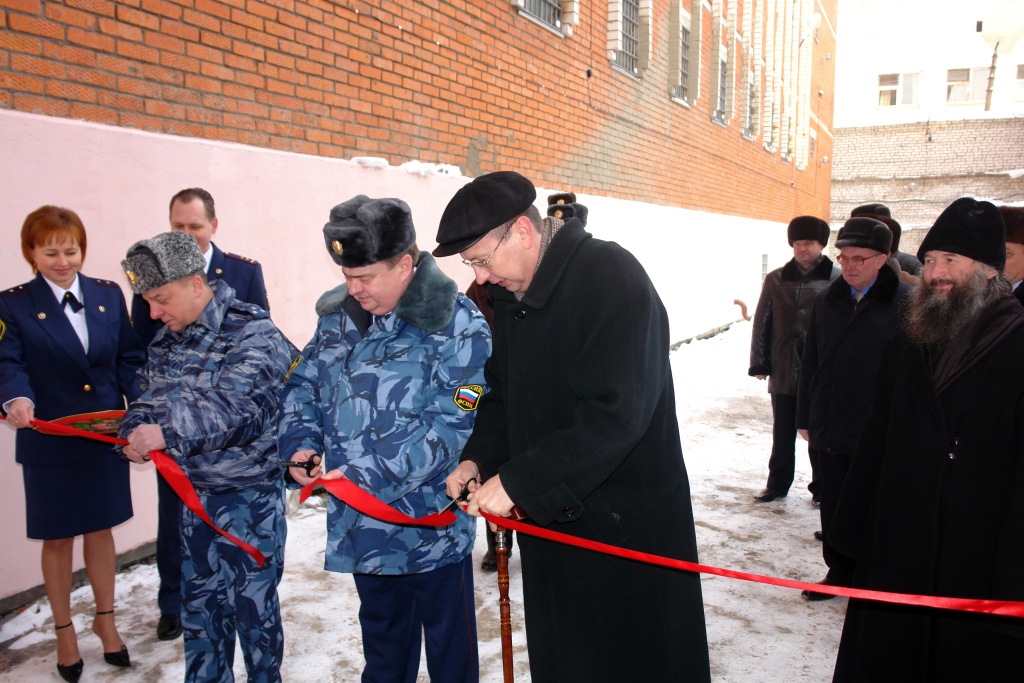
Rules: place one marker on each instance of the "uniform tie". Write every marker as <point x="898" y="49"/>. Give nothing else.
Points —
<point x="70" y="300"/>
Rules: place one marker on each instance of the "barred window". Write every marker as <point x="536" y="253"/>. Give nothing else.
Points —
<point x="546" y="11"/>
<point x="682" y="90"/>
<point x="626" y="57"/>
<point x="722" y="82"/>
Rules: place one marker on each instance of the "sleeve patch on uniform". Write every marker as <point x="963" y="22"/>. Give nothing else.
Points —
<point x="295" y="364"/>
<point x="3" y="328"/>
<point x="468" y="396"/>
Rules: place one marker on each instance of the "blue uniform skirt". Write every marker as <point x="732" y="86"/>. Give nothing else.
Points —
<point x="71" y="499"/>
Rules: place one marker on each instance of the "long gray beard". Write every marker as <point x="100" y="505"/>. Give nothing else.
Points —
<point x="937" y="321"/>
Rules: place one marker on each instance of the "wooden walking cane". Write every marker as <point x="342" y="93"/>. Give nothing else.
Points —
<point x="504" y="607"/>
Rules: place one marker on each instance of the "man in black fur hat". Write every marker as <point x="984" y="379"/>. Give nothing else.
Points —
<point x="1013" y="219"/>
<point x="777" y="341"/>
<point x="934" y="501"/>
<point x="850" y="322"/>
<point x="908" y="263"/>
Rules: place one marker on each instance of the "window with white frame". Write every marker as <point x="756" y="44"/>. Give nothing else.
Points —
<point x="684" y="51"/>
<point x="966" y="85"/>
<point x="897" y="89"/>
<point x="723" y="74"/>
<point x="546" y="11"/>
<point x="630" y="35"/>
<point x="1020" y="82"/>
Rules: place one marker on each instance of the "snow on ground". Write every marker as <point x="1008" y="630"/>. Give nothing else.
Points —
<point x="757" y="633"/>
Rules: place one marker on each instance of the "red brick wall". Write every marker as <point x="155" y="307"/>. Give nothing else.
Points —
<point x="462" y="82"/>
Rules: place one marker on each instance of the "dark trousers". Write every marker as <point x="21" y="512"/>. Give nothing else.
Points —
<point x="168" y="547"/>
<point x="783" y="461"/>
<point x="394" y="609"/>
<point x="832" y="472"/>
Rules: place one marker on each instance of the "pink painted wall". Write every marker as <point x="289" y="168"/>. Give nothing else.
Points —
<point x="272" y="206"/>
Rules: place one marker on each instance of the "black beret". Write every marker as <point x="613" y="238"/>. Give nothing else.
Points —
<point x="866" y="233"/>
<point x="363" y="231"/>
<point x="479" y="207"/>
<point x="808" y="228"/>
<point x="569" y="210"/>
<point x="562" y="198"/>
<point x="1013" y="219"/>
<point x="871" y="209"/>
<point x="970" y="228"/>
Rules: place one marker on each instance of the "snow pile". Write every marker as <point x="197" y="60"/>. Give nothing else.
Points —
<point x="757" y="633"/>
<point x="371" y="162"/>
<point x="422" y="168"/>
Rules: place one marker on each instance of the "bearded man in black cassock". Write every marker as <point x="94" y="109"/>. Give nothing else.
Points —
<point x="934" y="500"/>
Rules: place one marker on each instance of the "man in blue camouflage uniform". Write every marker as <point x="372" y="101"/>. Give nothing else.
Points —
<point x="386" y="392"/>
<point x="210" y="400"/>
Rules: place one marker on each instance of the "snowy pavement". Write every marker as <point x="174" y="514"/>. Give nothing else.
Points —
<point x="756" y="633"/>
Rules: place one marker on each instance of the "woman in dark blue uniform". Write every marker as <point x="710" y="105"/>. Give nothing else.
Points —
<point x="67" y="347"/>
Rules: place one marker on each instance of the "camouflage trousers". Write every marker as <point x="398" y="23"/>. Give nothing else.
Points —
<point x="223" y="591"/>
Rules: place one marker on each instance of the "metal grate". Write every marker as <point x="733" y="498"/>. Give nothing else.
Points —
<point x="545" y="11"/>
<point x="722" y="76"/>
<point x="626" y="57"/>
<point x="682" y="90"/>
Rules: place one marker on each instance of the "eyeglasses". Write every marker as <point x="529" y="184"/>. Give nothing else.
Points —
<point x="855" y="260"/>
<point x="477" y="263"/>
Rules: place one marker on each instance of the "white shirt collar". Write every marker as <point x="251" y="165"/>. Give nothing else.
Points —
<point x="209" y="257"/>
<point x="1016" y="285"/>
<point x="58" y="291"/>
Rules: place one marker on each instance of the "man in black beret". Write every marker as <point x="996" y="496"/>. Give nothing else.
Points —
<point x="579" y="430"/>
<point x="1013" y="219"/>
<point x="850" y="322"/>
<point x="777" y="341"/>
<point x="880" y="212"/>
<point x="934" y="500"/>
<point x="386" y="393"/>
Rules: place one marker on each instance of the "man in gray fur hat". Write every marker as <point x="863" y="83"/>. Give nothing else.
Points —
<point x="210" y="401"/>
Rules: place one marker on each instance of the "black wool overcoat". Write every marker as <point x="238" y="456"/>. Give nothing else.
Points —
<point x="780" y="322"/>
<point x="844" y="342"/>
<point x="580" y="423"/>
<point x="920" y="521"/>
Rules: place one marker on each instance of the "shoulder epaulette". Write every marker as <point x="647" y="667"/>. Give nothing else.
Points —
<point x="13" y="291"/>
<point x="244" y="259"/>
<point x="106" y="283"/>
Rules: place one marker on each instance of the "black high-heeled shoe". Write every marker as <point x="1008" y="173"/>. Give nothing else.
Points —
<point x="119" y="658"/>
<point x="72" y="672"/>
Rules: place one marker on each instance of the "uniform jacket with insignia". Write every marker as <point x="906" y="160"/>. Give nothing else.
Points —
<point x="243" y="274"/>
<point x="42" y="359"/>
<point x="213" y="388"/>
<point x="391" y="401"/>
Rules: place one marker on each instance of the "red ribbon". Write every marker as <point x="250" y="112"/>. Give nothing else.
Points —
<point x="168" y="469"/>
<point x="355" y="497"/>
<point x="1001" y="607"/>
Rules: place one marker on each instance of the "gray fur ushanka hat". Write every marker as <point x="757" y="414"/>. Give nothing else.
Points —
<point x="154" y="262"/>
<point x="363" y="231"/>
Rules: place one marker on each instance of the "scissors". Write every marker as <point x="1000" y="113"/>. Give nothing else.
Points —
<point x="462" y="497"/>
<point x="309" y="465"/>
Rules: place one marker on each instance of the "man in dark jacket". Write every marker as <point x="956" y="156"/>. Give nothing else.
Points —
<point x="850" y="323"/>
<point x="908" y="262"/>
<point x="1013" y="219"/>
<point x="579" y="429"/>
<point x="934" y="501"/>
<point x="777" y="342"/>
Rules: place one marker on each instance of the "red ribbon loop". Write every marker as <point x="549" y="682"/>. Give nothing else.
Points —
<point x="355" y="497"/>
<point x="169" y="470"/>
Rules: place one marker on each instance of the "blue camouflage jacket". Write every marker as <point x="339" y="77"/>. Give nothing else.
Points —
<point x="213" y="388"/>
<point x="391" y="402"/>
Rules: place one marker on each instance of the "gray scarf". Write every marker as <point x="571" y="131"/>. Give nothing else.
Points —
<point x="547" y="233"/>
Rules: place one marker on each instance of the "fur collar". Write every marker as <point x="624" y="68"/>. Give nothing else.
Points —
<point x="822" y="271"/>
<point x="428" y="302"/>
<point x="882" y="291"/>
